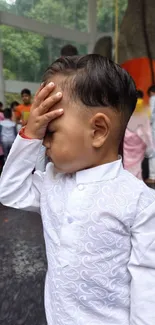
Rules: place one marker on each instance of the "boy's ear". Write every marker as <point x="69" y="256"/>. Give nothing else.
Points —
<point x="100" y="126"/>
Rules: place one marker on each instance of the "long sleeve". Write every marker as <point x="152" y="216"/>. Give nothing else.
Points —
<point x="142" y="268"/>
<point x="19" y="188"/>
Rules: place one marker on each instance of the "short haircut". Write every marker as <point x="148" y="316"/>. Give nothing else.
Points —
<point x="69" y="50"/>
<point x="1" y="105"/>
<point x="7" y="113"/>
<point x="25" y="91"/>
<point x="97" y="82"/>
<point x="151" y="89"/>
<point x="14" y="103"/>
<point x="140" y="94"/>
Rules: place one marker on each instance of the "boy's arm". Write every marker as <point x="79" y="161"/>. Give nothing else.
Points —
<point x="19" y="187"/>
<point x="142" y="268"/>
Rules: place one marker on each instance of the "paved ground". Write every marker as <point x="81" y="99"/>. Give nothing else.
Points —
<point x="22" y="268"/>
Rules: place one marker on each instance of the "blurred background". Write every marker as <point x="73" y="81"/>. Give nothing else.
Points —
<point x="32" y="32"/>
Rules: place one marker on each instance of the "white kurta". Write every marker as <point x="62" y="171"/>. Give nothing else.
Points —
<point x="99" y="229"/>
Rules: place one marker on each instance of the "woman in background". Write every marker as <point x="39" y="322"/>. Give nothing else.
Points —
<point x="138" y="139"/>
<point x="151" y="94"/>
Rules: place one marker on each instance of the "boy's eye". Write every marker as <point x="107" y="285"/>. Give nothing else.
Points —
<point x="49" y="133"/>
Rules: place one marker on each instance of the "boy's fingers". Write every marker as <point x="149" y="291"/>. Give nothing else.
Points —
<point x="40" y="88"/>
<point x="34" y="105"/>
<point x="48" y="103"/>
<point x="42" y="94"/>
<point x="50" y="116"/>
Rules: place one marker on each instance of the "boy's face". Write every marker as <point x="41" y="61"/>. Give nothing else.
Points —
<point x="67" y="140"/>
<point x="26" y="99"/>
<point x="73" y="141"/>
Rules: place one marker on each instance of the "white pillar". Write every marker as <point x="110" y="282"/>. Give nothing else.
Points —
<point x="92" y="24"/>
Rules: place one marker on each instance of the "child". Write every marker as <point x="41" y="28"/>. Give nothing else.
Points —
<point x="98" y="219"/>
<point x="7" y="132"/>
<point x="138" y="139"/>
<point x="22" y="111"/>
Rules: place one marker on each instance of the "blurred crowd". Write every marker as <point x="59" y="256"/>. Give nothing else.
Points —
<point x="12" y="119"/>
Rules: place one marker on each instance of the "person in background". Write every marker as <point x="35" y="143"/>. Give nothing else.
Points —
<point x="13" y="107"/>
<point x="69" y="50"/>
<point x="138" y="139"/>
<point x="1" y="106"/>
<point x="1" y="149"/>
<point x="22" y="111"/>
<point x="1" y="112"/>
<point x="151" y="94"/>
<point x="8" y="132"/>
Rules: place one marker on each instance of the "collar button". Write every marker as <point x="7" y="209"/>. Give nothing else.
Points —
<point x="80" y="187"/>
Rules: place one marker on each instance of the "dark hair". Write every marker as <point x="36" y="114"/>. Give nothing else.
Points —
<point x="7" y="113"/>
<point x="97" y="82"/>
<point x="151" y="89"/>
<point x="1" y="105"/>
<point x="140" y="93"/>
<point x="25" y="91"/>
<point x="15" y="103"/>
<point x="69" y="50"/>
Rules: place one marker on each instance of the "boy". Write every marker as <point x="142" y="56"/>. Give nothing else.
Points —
<point x="8" y="132"/>
<point x="99" y="220"/>
<point x="22" y="111"/>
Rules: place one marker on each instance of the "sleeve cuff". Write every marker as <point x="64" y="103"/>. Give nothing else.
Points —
<point x="22" y="134"/>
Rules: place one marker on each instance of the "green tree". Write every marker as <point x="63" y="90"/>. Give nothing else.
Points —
<point x="106" y="14"/>
<point x="21" y="52"/>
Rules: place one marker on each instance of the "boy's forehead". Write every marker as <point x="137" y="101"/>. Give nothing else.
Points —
<point x="59" y="82"/>
<point x="62" y="84"/>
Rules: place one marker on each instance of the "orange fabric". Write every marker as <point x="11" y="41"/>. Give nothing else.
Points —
<point x="22" y="112"/>
<point x="139" y="69"/>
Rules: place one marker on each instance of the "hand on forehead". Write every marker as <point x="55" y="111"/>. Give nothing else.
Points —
<point x="59" y="82"/>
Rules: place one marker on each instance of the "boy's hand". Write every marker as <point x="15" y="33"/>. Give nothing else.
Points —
<point x="40" y="116"/>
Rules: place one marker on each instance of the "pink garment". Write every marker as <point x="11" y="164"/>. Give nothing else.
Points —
<point x="137" y="143"/>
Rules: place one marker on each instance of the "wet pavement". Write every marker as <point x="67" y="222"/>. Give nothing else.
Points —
<point x="22" y="268"/>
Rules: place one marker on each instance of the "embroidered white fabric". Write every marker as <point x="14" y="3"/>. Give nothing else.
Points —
<point x="99" y="229"/>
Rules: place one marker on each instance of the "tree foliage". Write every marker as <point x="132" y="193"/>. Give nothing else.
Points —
<point x="26" y="55"/>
